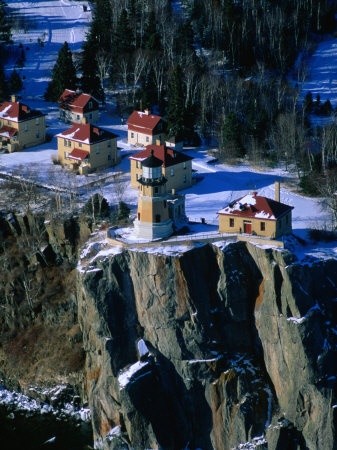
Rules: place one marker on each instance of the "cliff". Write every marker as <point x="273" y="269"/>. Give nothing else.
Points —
<point x="211" y="348"/>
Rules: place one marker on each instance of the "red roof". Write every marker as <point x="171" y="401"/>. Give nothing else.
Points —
<point x="168" y="156"/>
<point x="17" y="111"/>
<point x="76" y="101"/>
<point x="78" y="154"/>
<point x="86" y="133"/>
<point x="255" y="206"/>
<point x="143" y="122"/>
<point x="8" y="131"/>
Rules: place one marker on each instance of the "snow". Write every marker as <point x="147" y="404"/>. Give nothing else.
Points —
<point x="55" y="22"/>
<point x="125" y="376"/>
<point x="23" y="403"/>
<point x="322" y="69"/>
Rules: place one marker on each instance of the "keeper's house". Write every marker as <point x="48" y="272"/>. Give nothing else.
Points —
<point x="145" y="128"/>
<point x="74" y="106"/>
<point x="176" y="166"/>
<point x="84" y="148"/>
<point x="257" y="215"/>
<point x="20" y="126"/>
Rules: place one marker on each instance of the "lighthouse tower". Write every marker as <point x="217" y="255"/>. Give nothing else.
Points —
<point x="153" y="221"/>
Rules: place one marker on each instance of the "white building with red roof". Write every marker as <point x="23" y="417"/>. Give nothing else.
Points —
<point x="145" y="128"/>
<point x="20" y="126"/>
<point x="75" y="106"/>
<point x="257" y="215"/>
<point x="85" y="147"/>
<point x="176" y="166"/>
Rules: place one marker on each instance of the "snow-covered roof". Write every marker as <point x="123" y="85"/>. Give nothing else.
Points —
<point x="143" y="122"/>
<point x="256" y="206"/>
<point x="86" y="133"/>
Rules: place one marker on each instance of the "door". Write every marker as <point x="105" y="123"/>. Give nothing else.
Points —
<point x="247" y="227"/>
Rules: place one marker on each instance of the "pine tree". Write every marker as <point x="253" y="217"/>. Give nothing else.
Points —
<point x="90" y="82"/>
<point x="123" y="40"/>
<point x="15" y="82"/>
<point x="100" y="30"/>
<point x="230" y="143"/>
<point x="151" y="36"/>
<point x="175" y="113"/>
<point x="3" y="84"/>
<point x="5" y="29"/>
<point x="63" y="74"/>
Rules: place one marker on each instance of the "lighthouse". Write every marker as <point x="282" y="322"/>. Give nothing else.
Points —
<point x="153" y="218"/>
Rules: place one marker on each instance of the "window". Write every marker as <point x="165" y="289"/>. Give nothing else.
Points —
<point x="138" y="164"/>
<point x="132" y="135"/>
<point x="231" y="222"/>
<point x="184" y="165"/>
<point x="262" y="226"/>
<point x="77" y="117"/>
<point x="67" y="143"/>
<point x="185" y="178"/>
<point x="156" y="190"/>
<point x="109" y="144"/>
<point x="90" y="105"/>
<point x="165" y="203"/>
<point x="147" y="139"/>
<point x="172" y="172"/>
<point x="109" y="157"/>
<point x="80" y="144"/>
<point x="90" y="116"/>
<point x="37" y="135"/>
<point x="138" y="216"/>
<point x="157" y="219"/>
<point x="37" y="121"/>
<point x="26" y="127"/>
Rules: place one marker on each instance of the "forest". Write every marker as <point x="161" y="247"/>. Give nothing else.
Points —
<point x="216" y="70"/>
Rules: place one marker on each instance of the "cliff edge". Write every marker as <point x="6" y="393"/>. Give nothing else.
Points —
<point x="213" y="347"/>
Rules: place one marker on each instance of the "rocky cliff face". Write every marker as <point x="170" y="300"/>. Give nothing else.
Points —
<point x="211" y="348"/>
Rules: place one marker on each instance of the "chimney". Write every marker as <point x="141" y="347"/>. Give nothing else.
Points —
<point x="277" y="191"/>
<point x="14" y="98"/>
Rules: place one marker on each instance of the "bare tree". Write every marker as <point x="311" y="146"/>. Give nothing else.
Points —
<point x="104" y="61"/>
<point x="140" y="61"/>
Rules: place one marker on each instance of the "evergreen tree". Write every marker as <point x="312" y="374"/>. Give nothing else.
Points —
<point x="100" y="30"/>
<point x="15" y="82"/>
<point x="152" y="37"/>
<point x="230" y="142"/>
<point x="5" y="29"/>
<point x="63" y="74"/>
<point x="90" y="82"/>
<point x="175" y="113"/>
<point x="123" y="41"/>
<point x="3" y="84"/>
<point x="308" y="103"/>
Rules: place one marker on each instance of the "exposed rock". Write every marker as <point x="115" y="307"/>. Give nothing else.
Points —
<point x="237" y="338"/>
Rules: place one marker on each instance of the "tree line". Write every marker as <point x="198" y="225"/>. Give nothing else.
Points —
<point x="216" y="70"/>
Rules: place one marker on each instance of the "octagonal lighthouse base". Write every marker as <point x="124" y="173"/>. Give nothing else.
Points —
<point x="153" y="231"/>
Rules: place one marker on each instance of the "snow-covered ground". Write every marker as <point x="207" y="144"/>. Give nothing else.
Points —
<point x="57" y="21"/>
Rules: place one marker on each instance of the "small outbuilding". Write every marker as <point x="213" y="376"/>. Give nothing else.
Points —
<point x="257" y="215"/>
